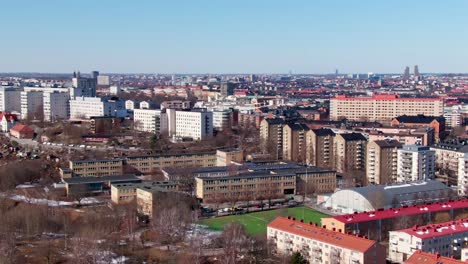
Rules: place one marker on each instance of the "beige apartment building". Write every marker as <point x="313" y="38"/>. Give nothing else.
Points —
<point x="383" y="107"/>
<point x="96" y="168"/>
<point x="253" y="186"/>
<point x="228" y="156"/>
<point x="294" y="142"/>
<point x="319" y="245"/>
<point x="350" y="152"/>
<point x="151" y="198"/>
<point x="319" y="145"/>
<point x="147" y="164"/>
<point x="382" y="161"/>
<point x="122" y="193"/>
<point x="271" y="136"/>
<point x="144" y="164"/>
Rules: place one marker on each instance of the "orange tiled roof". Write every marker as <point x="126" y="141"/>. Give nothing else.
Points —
<point x="420" y="257"/>
<point x="312" y="231"/>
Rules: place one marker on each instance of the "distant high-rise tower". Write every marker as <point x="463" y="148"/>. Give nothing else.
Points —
<point x="336" y="72"/>
<point x="416" y="71"/>
<point x="406" y="75"/>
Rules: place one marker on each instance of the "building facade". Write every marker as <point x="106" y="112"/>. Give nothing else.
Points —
<point x="382" y="161"/>
<point x="271" y="136"/>
<point x="415" y="163"/>
<point x="320" y="148"/>
<point x="195" y="124"/>
<point x="319" y="245"/>
<point x="56" y="106"/>
<point x="350" y="153"/>
<point x="294" y="142"/>
<point x="86" y="107"/>
<point x="383" y="107"/>
<point x="147" y="120"/>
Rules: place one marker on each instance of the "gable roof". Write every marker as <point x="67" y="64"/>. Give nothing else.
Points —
<point x="21" y="128"/>
<point x="420" y="257"/>
<point x="312" y="231"/>
<point x="419" y="119"/>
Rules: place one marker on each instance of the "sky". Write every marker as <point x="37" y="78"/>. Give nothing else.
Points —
<point x="237" y="36"/>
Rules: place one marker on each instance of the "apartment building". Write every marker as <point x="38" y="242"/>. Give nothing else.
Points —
<point x="147" y="120"/>
<point x="382" y="107"/>
<point x="195" y="124"/>
<point x="10" y="99"/>
<point x="228" y="156"/>
<point x="83" y="86"/>
<point x="151" y="198"/>
<point x="462" y="184"/>
<point x="446" y="239"/>
<point x="7" y="121"/>
<point x="319" y="245"/>
<point x="271" y="136"/>
<point x="56" y="106"/>
<point x="382" y="161"/>
<point x="454" y="114"/>
<point x="176" y="104"/>
<point x="447" y="155"/>
<point x="149" y="163"/>
<point x="32" y="103"/>
<point x="245" y="187"/>
<point x="130" y="105"/>
<point x="84" y="168"/>
<point x="435" y="122"/>
<point x="294" y="142"/>
<point x="350" y="152"/>
<point x="122" y="193"/>
<point x="376" y="224"/>
<point x="321" y="180"/>
<point x="319" y="148"/>
<point x="82" y="186"/>
<point x="86" y="107"/>
<point x="221" y="119"/>
<point x="103" y="124"/>
<point x="424" y="136"/>
<point x="415" y="163"/>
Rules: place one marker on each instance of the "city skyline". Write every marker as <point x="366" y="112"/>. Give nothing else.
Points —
<point x="249" y="37"/>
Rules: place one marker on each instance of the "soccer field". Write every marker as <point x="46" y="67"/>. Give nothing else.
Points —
<point x="256" y="223"/>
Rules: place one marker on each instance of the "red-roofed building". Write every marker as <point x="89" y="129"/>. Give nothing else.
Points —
<point x="22" y="131"/>
<point x="7" y="121"/>
<point x="319" y="245"/>
<point x="377" y="224"/>
<point x="420" y="257"/>
<point x="445" y="238"/>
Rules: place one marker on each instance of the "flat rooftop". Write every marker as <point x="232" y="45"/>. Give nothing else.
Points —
<point x="438" y="230"/>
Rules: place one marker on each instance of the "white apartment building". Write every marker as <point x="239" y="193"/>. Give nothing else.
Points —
<point x="168" y="122"/>
<point x="31" y="102"/>
<point x="195" y="124"/>
<point x="383" y="107"/>
<point x="320" y="245"/>
<point x="148" y="120"/>
<point x="144" y="105"/>
<point x="103" y="80"/>
<point x="86" y="107"/>
<point x="56" y="106"/>
<point x="453" y="114"/>
<point x="462" y="185"/>
<point x="415" y="163"/>
<point x="444" y="239"/>
<point x="221" y="119"/>
<point x="10" y="99"/>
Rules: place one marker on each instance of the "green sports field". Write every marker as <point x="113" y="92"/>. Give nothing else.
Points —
<point x="256" y="223"/>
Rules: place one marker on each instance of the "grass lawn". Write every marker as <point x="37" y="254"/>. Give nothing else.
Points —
<point x="256" y="223"/>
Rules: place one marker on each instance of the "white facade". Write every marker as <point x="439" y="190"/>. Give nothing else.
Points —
<point x="56" y="106"/>
<point x="31" y="101"/>
<point x="86" y="107"/>
<point x="147" y="120"/>
<point x="197" y="125"/>
<point x="463" y="175"/>
<point x="453" y="114"/>
<point x="129" y="105"/>
<point x="221" y="119"/>
<point x="10" y="99"/>
<point x="415" y="163"/>
<point x="144" y="105"/>
<point x="442" y="238"/>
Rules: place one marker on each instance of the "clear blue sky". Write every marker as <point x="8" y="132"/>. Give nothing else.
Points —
<point x="221" y="36"/>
